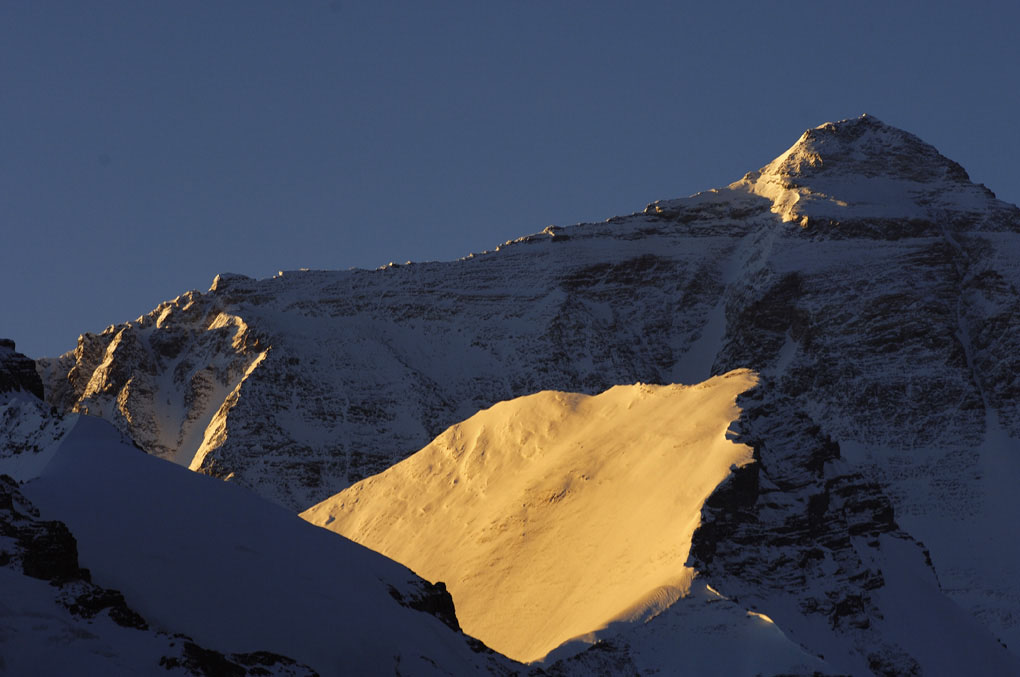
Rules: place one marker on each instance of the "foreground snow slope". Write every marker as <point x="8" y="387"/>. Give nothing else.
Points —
<point x="56" y="621"/>
<point x="238" y="573"/>
<point x="552" y="515"/>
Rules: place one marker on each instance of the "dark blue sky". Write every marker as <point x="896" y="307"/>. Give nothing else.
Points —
<point x="146" y="146"/>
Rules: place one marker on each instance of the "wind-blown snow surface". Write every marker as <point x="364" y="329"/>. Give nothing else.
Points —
<point x="236" y="572"/>
<point x="54" y="620"/>
<point x="30" y="433"/>
<point x="553" y="515"/>
<point x="870" y="283"/>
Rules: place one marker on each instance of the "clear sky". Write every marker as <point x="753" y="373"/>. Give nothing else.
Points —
<point x="147" y="145"/>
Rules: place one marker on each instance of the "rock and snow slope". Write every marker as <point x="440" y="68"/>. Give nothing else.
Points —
<point x="559" y="520"/>
<point x="553" y="515"/>
<point x="301" y="384"/>
<point x="867" y="280"/>
<point x="29" y="428"/>
<point x="177" y="552"/>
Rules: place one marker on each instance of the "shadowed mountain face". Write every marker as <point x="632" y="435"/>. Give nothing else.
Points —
<point x="108" y="555"/>
<point x="872" y="286"/>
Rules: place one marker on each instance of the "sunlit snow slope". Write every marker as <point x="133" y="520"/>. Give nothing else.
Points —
<point x="551" y="515"/>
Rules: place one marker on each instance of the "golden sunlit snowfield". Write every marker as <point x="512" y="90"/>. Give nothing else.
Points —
<point x="551" y="515"/>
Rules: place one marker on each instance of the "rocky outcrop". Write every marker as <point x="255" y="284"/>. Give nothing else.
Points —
<point x="75" y="609"/>
<point x="194" y="659"/>
<point x="434" y="599"/>
<point x="17" y="372"/>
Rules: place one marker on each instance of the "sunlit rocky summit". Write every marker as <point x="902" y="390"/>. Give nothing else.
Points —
<point x="864" y="174"/>
<point x="870" y="288"/>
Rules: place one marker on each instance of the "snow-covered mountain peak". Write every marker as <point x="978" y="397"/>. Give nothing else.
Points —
<point x="865" y="147"/>
<point x="863" y="169"/>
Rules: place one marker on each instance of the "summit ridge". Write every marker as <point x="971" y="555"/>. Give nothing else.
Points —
<point x="855" y="176"/>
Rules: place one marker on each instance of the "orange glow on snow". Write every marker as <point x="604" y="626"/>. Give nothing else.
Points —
<point x="552" y="515"/>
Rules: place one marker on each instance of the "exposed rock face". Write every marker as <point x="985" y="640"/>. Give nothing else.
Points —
<point x="45" y="550"/>
<point x="17" y="372"/>
<point x="433" y="599"/>
<point x="73" y="616"/>
<point x="163" y="379"/>
<point x="873" y="286"/>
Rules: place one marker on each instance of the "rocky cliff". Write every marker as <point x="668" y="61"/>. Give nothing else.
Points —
<point x="29" y="428"/>
<point x="17" y="372"/>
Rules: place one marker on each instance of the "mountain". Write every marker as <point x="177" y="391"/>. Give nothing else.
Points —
<point x="30" y="429"/>
<point x="189" y="574"/>
<point x="871" y="285"/>
<point x="17" y="372"/>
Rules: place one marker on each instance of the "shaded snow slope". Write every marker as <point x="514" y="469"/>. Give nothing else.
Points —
<point x="961" y="503"/>
<point x="238" y="573"/>
<point x="552" y="515"/>
<point x="55" y="621"/>
<point x="705" y="634"/>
